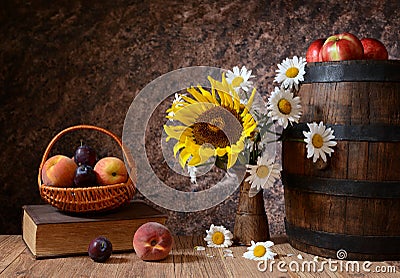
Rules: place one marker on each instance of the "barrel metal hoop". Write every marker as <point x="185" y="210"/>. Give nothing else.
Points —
<point x="343" y="187"/>
<point x="379" y="245"/>
<point x="378" y="71"/>
<point x="359" y="133"/>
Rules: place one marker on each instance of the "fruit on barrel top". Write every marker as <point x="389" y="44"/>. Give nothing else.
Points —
<point x="345" y="46"/>
<point x="84" y="176"/>
<point x="313" y="50"/>
<point x="374" y="49"/>
<point x="110" y="170"/>
<point x="152" y="241"/>
<point x="100" y="249"/>
<point x="85" y="154"/>
<point x="59" y="171"/>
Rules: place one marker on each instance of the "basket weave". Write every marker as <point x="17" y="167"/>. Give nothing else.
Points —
<point x="88" y="199"/>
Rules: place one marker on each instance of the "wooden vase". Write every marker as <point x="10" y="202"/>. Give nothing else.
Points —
<point x="251" y="221"/>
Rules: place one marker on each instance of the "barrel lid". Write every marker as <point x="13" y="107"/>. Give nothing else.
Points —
<point x="353" y="70"/>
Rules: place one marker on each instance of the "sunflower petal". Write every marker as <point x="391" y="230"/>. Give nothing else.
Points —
<point x="198" y="96"/>
<point x="232" y="159"/>
<point x="184" y="156"/>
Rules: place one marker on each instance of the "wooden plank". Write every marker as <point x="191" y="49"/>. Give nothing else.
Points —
<point x="294" y="153"/>
<point x="343" y="268"/>
<point x="184" y="261"/>
<point x="10" y="248"/>
<point x="191" y="263"/>
<point x="357" y="164"/>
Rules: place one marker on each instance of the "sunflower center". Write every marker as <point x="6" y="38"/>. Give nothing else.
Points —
<point x="317" y="141"/>
<point x="219" y="126"/>
<point x="237" y="81"/>
<point x="262" y="171"/>
<point x="259" y="251"/>
<point x="216" y="124"/>
<point x="284" y="106"/>
<point x="292" y="72"/>
<point x="218" y="238"/>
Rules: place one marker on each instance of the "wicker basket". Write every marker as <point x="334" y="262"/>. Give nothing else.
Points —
<point x="88" y="199"/>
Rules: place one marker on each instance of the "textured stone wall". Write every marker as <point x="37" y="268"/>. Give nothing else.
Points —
<point x="71" y="62"/>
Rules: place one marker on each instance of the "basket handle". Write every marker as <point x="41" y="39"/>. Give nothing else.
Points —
<point x="126" y="154"/>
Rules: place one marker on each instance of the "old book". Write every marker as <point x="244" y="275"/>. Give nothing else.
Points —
<point x="50" y="233"/>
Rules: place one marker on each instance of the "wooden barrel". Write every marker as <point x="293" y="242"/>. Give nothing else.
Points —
<point x="352" y="202"/>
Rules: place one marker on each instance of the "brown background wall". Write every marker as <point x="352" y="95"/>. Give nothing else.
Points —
<point x="64" y="63"/>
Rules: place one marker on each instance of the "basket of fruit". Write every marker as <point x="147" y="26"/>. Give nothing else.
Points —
<point x="83" y="183"/>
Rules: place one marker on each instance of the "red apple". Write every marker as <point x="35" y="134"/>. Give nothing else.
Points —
<point x="341" y="47"/>
<point x="59" y="171"/>
<point x="312" y="54"/>
<point x="152" y="241"/>
<point x="374" y="49"/>
<point x="320" y="56"/>
<point x="110" y="170"/>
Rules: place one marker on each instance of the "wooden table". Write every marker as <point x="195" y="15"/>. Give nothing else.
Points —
<point x="184" y="261"/>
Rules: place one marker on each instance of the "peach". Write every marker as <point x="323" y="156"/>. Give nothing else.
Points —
<point x="110" y="170"/>
<point x="59" y="171"/>
<point x="152" y="241"/>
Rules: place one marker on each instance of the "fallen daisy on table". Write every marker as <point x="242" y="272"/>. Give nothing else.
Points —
<point x="260" y="251"/>
<point x="227" y="253"/>
<point x="199" y="248"/>
<point x="218" y="236"/>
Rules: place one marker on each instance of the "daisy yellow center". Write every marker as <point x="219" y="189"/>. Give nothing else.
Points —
<point x="218" y="238"/>
<point x="317" y="141"/>
<point x="259" y="251"/>
<point x="262" y="171"/>
<point x="284" y="106"/>
<point x="292" y="72"/>
<point x="219" y="126"/>
<point x="237" y="81"/>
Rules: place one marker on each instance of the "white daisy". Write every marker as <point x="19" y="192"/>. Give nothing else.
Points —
<point x="192" y="173"/>
<point x="178" y="101"/>
<point x="218" y="236"/>
<point x="318" y="141"/>
<point x="239" y="78"/>
<point x="260" y="251"/>
<point x="284" y="107"/>
<point x="264" y="174"/>
<point x="290" y="72"/>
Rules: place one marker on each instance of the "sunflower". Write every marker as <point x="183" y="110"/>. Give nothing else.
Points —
<point x="319" y="141"/>
<point x="284" y="107"/>
<point x="290" y="72"/>
<point x="218" y="236"/>
<point x="213" y="124"/>
<point x="260" y="251"/>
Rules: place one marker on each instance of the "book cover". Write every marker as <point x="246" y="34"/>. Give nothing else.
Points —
<point x="49" y="232"/>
